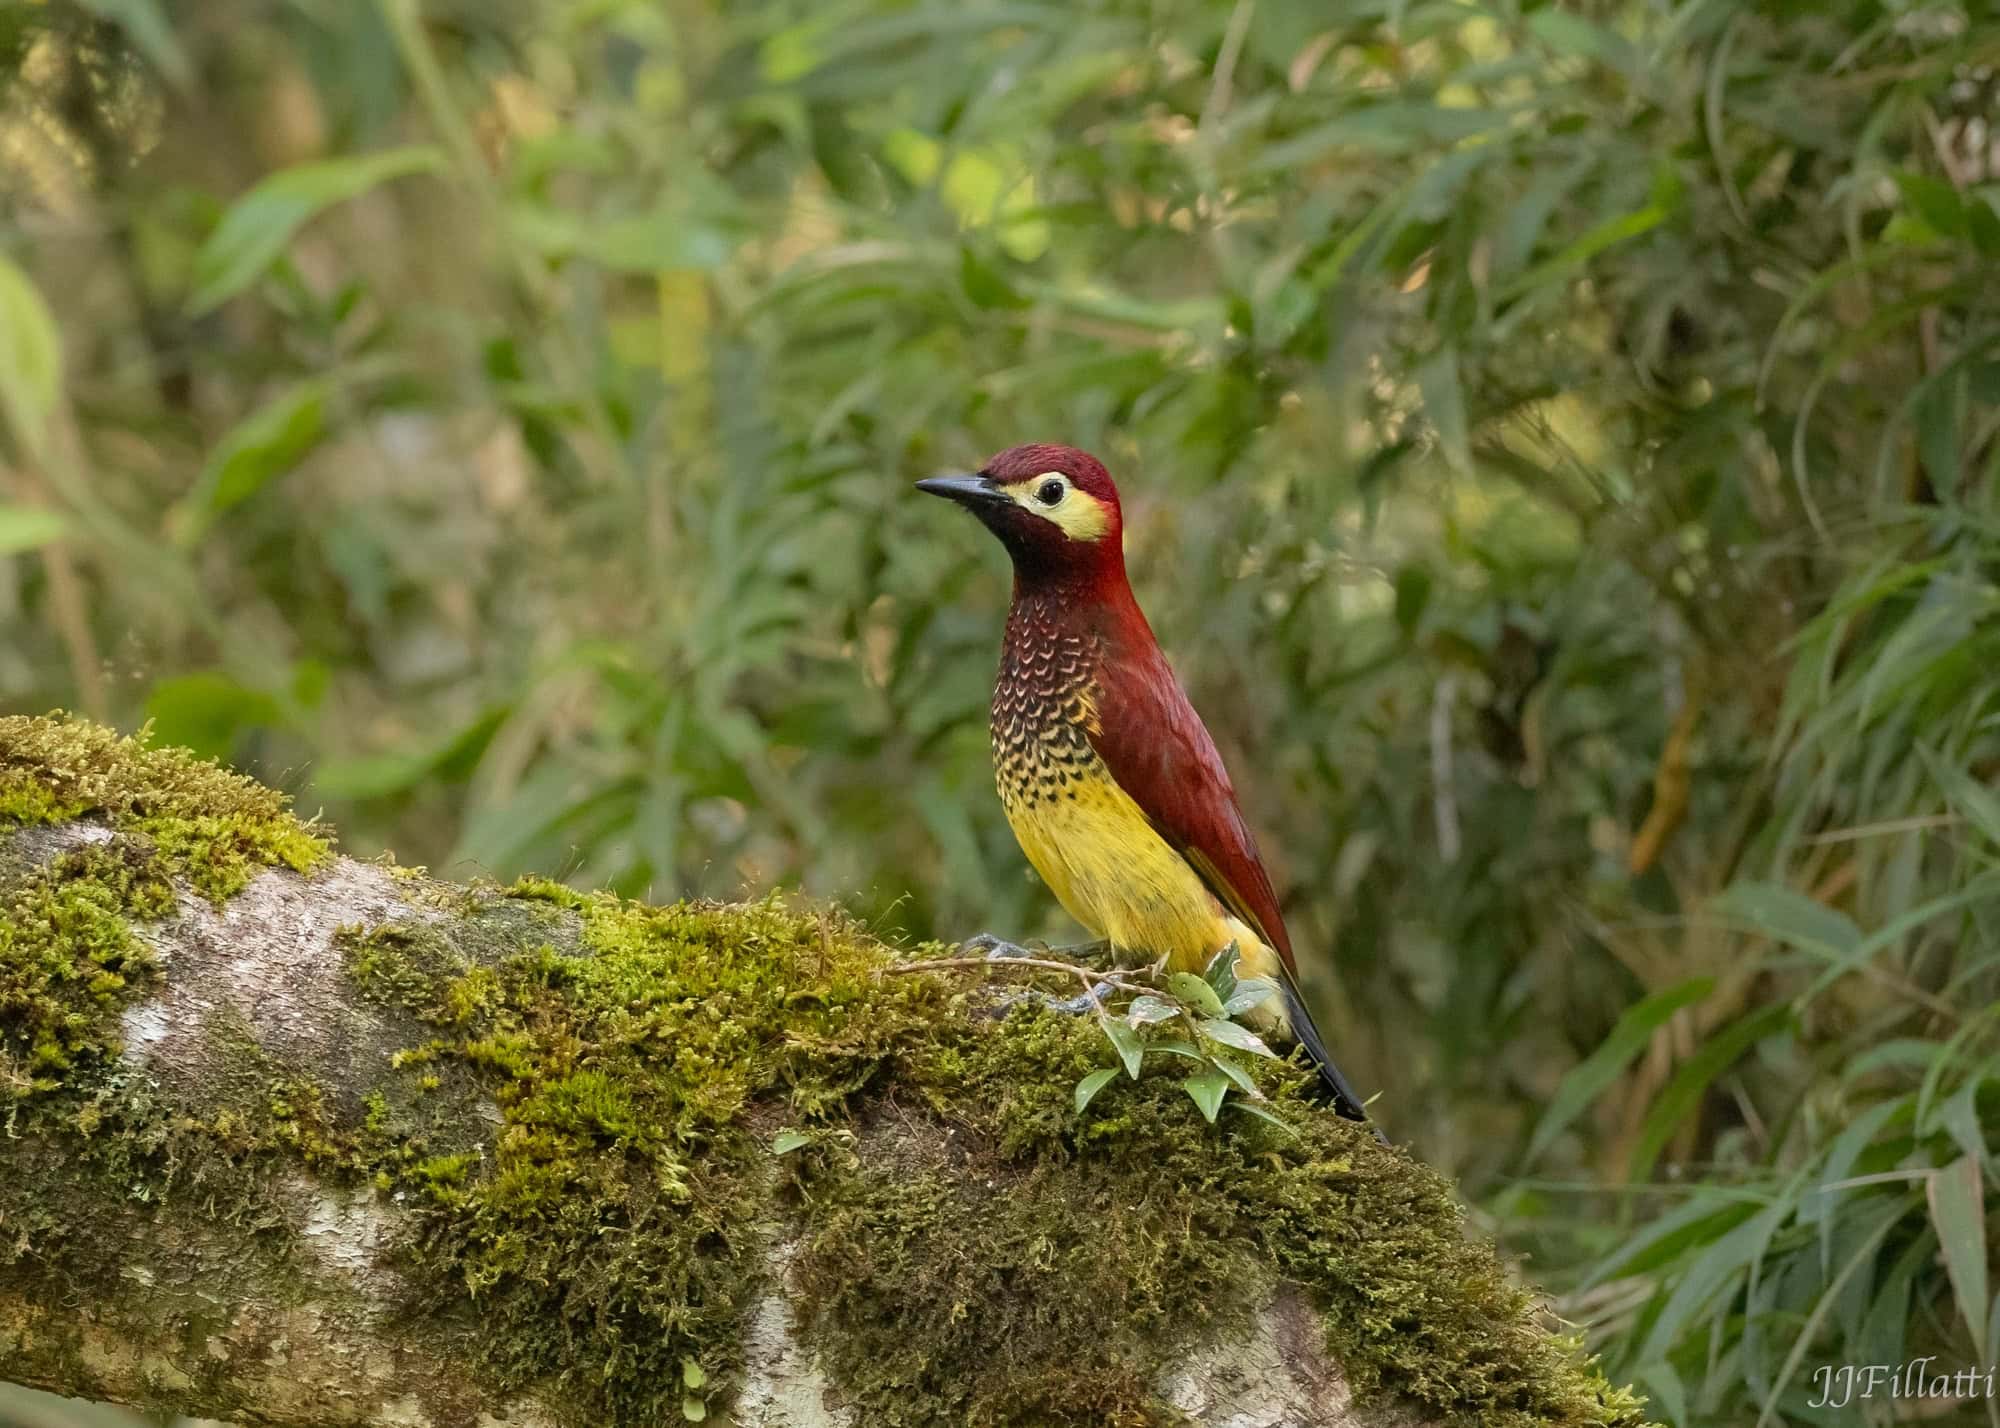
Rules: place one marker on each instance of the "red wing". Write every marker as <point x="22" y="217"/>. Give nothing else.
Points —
<point x="1160" y="753"/>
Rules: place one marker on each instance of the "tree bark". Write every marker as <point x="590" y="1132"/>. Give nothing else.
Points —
<point x="159" y="1249"/>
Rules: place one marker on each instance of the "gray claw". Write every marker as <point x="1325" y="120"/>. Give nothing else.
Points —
<point x="996" y="948"/>
<point x="1083" y="1004"/>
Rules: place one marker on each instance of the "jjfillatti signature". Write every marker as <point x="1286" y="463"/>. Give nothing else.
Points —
<point x="1838" y="1385"/>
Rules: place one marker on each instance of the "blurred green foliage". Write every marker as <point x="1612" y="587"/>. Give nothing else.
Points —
<point x="1560" y="441"/>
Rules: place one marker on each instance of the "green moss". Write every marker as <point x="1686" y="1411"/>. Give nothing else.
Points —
<point x="212" y="827"/>
<point x="1008" y="1263"/>
<point x="967" y="1249"/>
<point x="69" y="961"/>
<point x="615" y="1228"/>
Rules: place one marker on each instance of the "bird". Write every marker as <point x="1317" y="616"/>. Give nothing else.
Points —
<point x="1108" y="777"/>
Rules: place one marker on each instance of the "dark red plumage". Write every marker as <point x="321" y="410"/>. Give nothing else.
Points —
<point x="1160" y="752"/>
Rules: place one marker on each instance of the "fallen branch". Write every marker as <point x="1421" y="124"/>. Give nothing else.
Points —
<point x="299" y="1140"/>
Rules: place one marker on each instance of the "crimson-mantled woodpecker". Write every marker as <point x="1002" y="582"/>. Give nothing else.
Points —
<point x="1111" y="782"/>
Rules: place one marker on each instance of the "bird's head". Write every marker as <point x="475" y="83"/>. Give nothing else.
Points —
<point x="1053" y="507"/>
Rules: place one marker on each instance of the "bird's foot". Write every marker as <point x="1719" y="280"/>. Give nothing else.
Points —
<point x="998" y="949"/>
<point x="1088" y="953"/>
<point x="1083" y="1004"/>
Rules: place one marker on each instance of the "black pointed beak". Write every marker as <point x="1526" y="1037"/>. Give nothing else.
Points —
<point x="972" y="491"/>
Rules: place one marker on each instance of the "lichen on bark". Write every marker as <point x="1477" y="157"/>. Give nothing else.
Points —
<point x="564" y="1151"/>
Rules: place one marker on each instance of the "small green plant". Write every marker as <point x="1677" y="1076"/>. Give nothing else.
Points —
<point x="1204" y="1011"/>
<point x="1196" y="1018"/>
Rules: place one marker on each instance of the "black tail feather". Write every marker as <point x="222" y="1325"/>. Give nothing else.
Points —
<point x="1332" y="1084"/>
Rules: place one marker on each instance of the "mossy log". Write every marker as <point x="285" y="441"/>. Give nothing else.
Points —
<point x="295" y="1139"/>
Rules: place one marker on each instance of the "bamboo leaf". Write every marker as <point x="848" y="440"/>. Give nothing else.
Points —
<point x="259" y="225"/>
<point x="1790" y="916"/>
<point x="1979" y="804"/>
<point x="1691" y="1081"/>
<point x="1958" y="1211"/>
<point x="1444" y="404"/>
<point x="24" y="528"/>
<point x="30" y="357"/>
<point x="1590" y="1078"/>
<point x="256" y="451"/>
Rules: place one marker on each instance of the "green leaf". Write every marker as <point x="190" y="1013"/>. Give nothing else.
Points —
<point x="1089" y="1086"/>
<point x="1179" y="1047"/>
<point x="1228" y="1033"/>
<point x="1250" y="993"/>
<point x="1573" y="35"/>
<point x="1979" y="804"/>
<point x="1704" y="1219"/>
<point x="1384" y="128"/>
<point x="1444" y="404"/>
<point x="1148" y="1009"/>
<point x="1936" y="202"/>
<point x="30" y="357"/>
<point x="1790" y="916"/>
<point x="151" y="34"/>
<point x="206" y="712"/>
<point x="1698" y="1279"/>
<point x="692" y="1374"/>
<point x="1684" y="1092"/>
<point x="693" y="1409"/>
<point x="1938" y="419"/>
<point x="1196" y="992"/>
<point x="30" y="528"/>
<point x="1958" y="1211"/>
<point x="667" y="239"/>
<point x="1207" y="1091"/>
<point x="1413" y="594"/>
<point x="1244" y="1081"/>
<point x="1126" y="1043"/>
<point x="986" y="285"/>
<point x="1264" y="1114"/>
<point x="260" y="224"/>
<point x="1665" y="1386"/>
<point x="784" y="1143"/>
<point x="263" y="446"/>
<point x="1984" y="221"/>
<point x="657" y="244"/>
<point x="1609" y="234"/>
<point x="1590" y="1078"/>
<point x="450" y="760"/>
<point x="1220" y="973"/>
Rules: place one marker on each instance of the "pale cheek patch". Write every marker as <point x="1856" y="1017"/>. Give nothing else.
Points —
<point x="1079" y="516"/>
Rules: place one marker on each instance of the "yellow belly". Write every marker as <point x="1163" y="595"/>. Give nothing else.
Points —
<point x="1114" y="874"/>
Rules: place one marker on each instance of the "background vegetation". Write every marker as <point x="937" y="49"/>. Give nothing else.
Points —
<point x="1562" y="452"/>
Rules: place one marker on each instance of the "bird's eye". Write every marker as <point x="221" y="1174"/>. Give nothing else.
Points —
<point x="1050" y="491"/>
